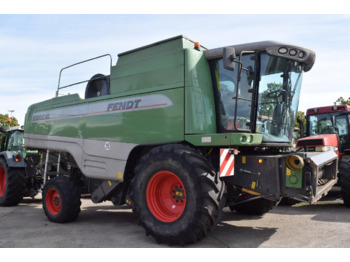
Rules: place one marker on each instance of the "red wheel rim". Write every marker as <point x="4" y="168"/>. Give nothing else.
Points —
<point x="166" y="196"/>
<point x="53" y="201"/>
<point x="2" y="181"/>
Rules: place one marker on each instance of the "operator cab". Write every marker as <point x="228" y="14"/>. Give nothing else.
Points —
<point x="12" y="139"/>
<point x="331" y="123"/>
<point x="330" y="120"/>
<point x="262" y="94"/>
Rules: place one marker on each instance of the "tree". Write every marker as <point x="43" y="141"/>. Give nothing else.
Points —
<point x="4" y="120"/>
<point x="269" y="98"/>
<point x="342" y="101"/>
<point x="300" y="115"/>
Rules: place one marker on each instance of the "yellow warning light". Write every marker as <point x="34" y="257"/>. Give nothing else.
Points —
<point x="260" y="161"/>
<point x="253" y="185"/>
<point x="288" y="172"/>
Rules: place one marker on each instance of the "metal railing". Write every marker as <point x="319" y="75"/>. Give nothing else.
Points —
<point x="84" y="81"/>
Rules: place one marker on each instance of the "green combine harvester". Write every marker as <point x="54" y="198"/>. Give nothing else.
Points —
<point x="178" y="132"/>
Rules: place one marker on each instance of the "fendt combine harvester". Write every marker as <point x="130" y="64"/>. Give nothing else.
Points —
<point x="178" y="132"/>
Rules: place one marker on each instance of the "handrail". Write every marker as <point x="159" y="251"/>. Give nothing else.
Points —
<point x="88" y="60"/>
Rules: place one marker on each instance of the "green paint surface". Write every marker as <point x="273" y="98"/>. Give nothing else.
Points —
<point x="171" y="68"/>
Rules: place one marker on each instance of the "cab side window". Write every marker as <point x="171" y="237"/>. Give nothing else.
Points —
<point x="342" y="127"/>
<point x="235" y="97"/>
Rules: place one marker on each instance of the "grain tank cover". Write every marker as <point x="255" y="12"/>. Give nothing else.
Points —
<point x="180" y="40"/>
<point x="152" y="67"/>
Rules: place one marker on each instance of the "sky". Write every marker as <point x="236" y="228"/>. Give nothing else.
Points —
<point x="35" y="47"/>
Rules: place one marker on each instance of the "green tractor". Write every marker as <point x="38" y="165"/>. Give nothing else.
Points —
<point x="178" y="132"/>
<point x="18" y="174"/>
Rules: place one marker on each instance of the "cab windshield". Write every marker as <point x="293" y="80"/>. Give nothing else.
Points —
<point x="16" y="141"/>
<point x="266" y="103"/>
<point x="278" y="98"/>
<point x="321" y="124"/>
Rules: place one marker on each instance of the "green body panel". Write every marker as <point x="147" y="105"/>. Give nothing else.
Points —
<point x="199" y="96"/>
<point x="225" y="139"/>
<point x="68" y="128"/>
<point x="139" y="127"/>
<point x="171" y="70"/>
<point x="294" y="178"/>
<point x="151" y="68"/>
<point x="161" y="71"/>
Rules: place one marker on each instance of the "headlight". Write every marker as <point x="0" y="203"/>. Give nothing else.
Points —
<point x="325" y="148"/>
<point x="283" y="50"/>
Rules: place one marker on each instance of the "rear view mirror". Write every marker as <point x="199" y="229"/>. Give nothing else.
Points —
<point x="228" y="57"/>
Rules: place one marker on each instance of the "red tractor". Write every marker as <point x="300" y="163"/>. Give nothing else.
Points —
<point x="327" y="128"/>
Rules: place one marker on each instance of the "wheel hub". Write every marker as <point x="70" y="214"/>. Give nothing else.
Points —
<point x="178" y="194"/>
<point x="53" y="201"/>
<point x="56" y="201"/>
<point x="166" y="196"/>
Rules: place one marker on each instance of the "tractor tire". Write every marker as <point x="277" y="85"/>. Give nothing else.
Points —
<point x="177" y="197"/>
<point x="255" y="207"/>
<point x="12" y="183"/>
<point x="61" y="200"/>
<point x="344" y="179"/>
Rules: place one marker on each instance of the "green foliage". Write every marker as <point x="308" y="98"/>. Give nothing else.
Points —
<point x="300" y="115"/>
<point x="4" y="121"/>
<point x="270" y="98"/>
<point x="342" y="101"/>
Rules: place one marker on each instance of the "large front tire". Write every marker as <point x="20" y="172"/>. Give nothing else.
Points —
<point x="12" y="182"/>
<point x="344" y="179"/>
<point x="176" y="196"/>
<point x="61" y="200"/>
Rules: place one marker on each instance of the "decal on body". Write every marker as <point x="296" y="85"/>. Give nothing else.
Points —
<point x="105" y="107"/>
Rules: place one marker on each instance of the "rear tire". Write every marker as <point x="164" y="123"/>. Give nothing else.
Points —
<point x="12" y="182"/>
<point x="344" y="179"/>
<point x="61" y="200"/>
<point x="176" y="196"/>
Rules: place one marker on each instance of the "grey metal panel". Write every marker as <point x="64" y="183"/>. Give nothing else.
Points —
<point x="104" y="159"/>
<point x="74" y="146"/>
<point x="322" y="158"/>
<point x="96" y="159"/>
